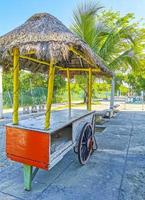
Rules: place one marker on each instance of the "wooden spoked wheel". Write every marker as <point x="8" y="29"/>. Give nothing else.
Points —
<point x="85" y="145"/>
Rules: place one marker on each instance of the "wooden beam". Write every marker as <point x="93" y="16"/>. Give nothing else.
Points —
<point x="58" y="67"/>
<point x="74" y="69"/>
<point x="69" y="92"/>
<point x="16" y="85"/>
<point x="82" y="56"/>
<point x="35" y="60"/>
<point x="78" y="69"/>
<point x="50" y="94"/>
<point x="90" y="90"/>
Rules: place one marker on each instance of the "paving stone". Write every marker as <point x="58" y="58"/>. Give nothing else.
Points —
<point x="115" y="171"/>
<point x="133" y="187"/>
<point x="7" y="197"/>
<point x="113" y="142"/>
<point x="99" y="179"/>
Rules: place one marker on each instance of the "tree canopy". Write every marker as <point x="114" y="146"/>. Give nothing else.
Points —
<point x="119" y="40"/>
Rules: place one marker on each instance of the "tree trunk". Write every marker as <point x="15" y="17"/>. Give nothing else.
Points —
<point x="86" y="98"/>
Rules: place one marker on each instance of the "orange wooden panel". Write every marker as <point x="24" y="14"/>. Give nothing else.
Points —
<point x="28" y="147"/>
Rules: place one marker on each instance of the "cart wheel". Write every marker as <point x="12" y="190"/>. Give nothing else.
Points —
<point x="85" y="145"/>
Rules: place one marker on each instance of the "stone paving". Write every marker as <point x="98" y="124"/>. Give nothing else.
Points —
<point x="115" y="172"/>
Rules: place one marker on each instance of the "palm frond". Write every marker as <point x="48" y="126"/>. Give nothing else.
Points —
<point x="84" y="24"/>
<point x="115" y="39"/>
<point x="128" y="59"/>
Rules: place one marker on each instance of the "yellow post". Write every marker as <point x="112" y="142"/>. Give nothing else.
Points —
<point x="15" y="85"/>
<point x="50" y="94"/>
<point x="68" y="89"/>
<point x="90" y="89"/>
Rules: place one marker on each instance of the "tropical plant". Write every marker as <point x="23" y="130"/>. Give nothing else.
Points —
<point x="118" y="40"/>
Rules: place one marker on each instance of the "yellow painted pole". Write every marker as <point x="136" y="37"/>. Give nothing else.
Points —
<point x="90" y="90"/>
<point x="87" y="97"/>
<point x="69" y="92"/>
<point x="15" y="85"/>
<point x="59" y="67"/>
<point x="50" y="94"/>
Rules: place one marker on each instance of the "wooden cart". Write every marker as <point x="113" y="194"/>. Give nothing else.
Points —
<point x="42" y="141"/>
<point x="31" y="144"/>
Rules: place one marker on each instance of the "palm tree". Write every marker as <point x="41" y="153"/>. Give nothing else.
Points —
<point x="115" y="42"/>
<point x="110" y="36"/>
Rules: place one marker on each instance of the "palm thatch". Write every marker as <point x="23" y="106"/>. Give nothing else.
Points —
<point x="50" y="40"/>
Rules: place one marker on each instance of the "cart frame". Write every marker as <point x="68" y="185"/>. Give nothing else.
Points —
<point x="43" y="43"/>
<point x="28" y="171"/>
<point x="28" y="174"/>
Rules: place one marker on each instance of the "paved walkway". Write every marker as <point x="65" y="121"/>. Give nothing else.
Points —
<point x="115" y="172"/>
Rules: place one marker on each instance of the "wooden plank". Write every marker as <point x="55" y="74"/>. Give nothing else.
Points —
<point x="59" y="119"/>
<point x="60" y="151"/>
<point x="59" y="157"/>
<point x="28" y="147"/>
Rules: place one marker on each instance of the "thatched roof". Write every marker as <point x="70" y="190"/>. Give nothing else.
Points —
<point x="49" y="39"/>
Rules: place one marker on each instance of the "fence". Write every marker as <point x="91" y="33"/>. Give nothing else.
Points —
<point x="34" y="96"/>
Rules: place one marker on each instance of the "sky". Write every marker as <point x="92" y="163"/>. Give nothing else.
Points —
<point x="15" y="12"/>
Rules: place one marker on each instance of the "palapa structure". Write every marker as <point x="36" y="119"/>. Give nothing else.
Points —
<point x="44" y="44"/>
<point x="43" y="38"/>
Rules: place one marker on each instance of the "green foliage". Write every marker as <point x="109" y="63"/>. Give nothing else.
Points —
<point x="136" y="83"/>
<point x="33" y="88"/>
<point x="101" y="89"/>
<point x="59" y="88"/>
<point x="7" y="81"/>
<point x="82" y="82"/>
<point x="124" y="90"/>
<point x="85" y="24"/>
<point x="119" y="40"/>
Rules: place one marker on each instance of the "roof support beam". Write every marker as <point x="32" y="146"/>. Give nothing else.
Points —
<point x="81" y="56"/>
<point x="35" y="60"/>
<point x="16" y="85"/>
<point x="50" y="94"/>
<point x="59" y="67"/>
<point x="90" y="89"/>
<point x="69" y="92"/>
<point x="78" y="69"/>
